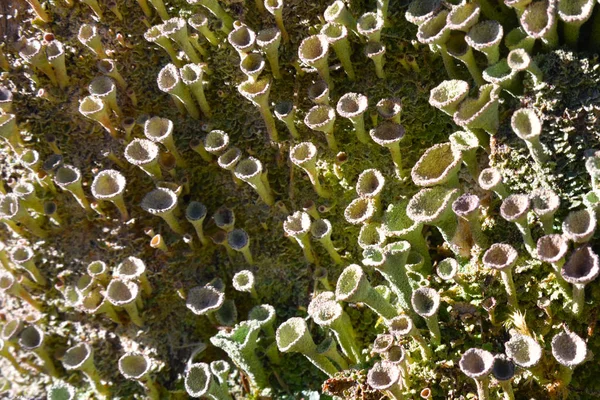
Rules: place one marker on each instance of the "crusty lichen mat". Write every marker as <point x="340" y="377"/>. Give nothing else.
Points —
<point x="285" y="199"/>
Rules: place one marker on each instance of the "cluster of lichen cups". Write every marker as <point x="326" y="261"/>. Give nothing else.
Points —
<point x="391" y="236"/>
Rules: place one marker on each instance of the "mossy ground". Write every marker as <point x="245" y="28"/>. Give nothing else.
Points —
<point x="171" y="332"/>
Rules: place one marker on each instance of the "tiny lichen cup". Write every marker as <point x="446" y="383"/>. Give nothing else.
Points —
<point x="155" y="35"/>
<point x="239" y="240"/>
<point x="527" y="126"/>
<point x="318" y="92"/>
<point x="448" y="95"/>
<point x="242" y="39"/>
<point x="143" y="153"/>
<point x="125" y="294"/>
<point x="322" y="118"/>
<point x="504" y="371"/>
<point x="330" y="314"/>
<point x="13" y="212"/>
<point x="32" y="338"/>
<point x="250" y="170"/>
<point x="105" y="89"/>
<point x="240" y="344"/>
<point x="579" y="226"/>
<point x="439" y="165"/>
<point x="520" y="60"/>
<point x="162" y="202"/>
<point x="385" y="376"/>
<point x="480" y="112"/>
<point x="545" y="203"/>
<point x="390" y="109"/>
<point x="569" y="350"/>
<point x="176" y="29"/>
<point x="169" y="81"/>
<point x="582" y="267"/>
<point x="337" y="36"/>
<point x="275" y="8"/>
<point x="195" y="214"/>
<point x="216" y="141"/>
<point x="376" y="52"/>
<point x="552" y="249"/>
<point x="269" y="40"/>
<point x="204" y="300"/>
<point x="420" y="11"/>
<point x="199" y="382"/>
<point x="502" y="257"/>
<point x="93" y="108"/>
<point x="337" y="12"/>
<point x="523" y="350"/>
<point x="370" y="184"/>
<point x="313" y="51"/>
<point x="160" y="130"/>
<point x="321" y="229"/>
<point x="229" y="159"/>
<point x="81" y="357"/>
<point x="491" y="179"/>
<point x="389" y="134"/>
<point x="458" y="48"/>
<point x="258" y="93"/>
<point x="370" y="25"/>
<point x="285" y="111"/>
<point x="477" y="364"/>
<point x="137" y="367"/>
<point x="69" y="179"/>
<point x="304" y="155"/>
<point x="293" y="336"/>
<point x="467" y="206"/>
<point x="463" y="16"/>
<point x="252" y="66"/>
<point x="433" y="206"/>
<point x="109" y="185"/>
<point x="61" y="391"/>
<point x="514" y="208"/>
<point x="10" y="286"/>
<point x="34" y="53"/>
<point x="56" y="56"/>
<point x="403" y="325"/>
<point x="574" y="13"/>
<point x="199" y="21"/>
<point x="435" y="32"/>
<point x="353" y="286"/>
<point x="88" y="36"/>
<point x="360" y="210"/>
<point x="426" y="303"/>
<point x="298" y="226"/>
<point x="353" y="106"/>
<point x="486" y="37"/>
<point x="539" y="20"/>
<point x="133" y="269"/>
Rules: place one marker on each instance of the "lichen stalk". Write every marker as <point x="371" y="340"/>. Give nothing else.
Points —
<point x="258" y="93"/>
<point x="293" y="336"/>
<point x="275" y="8"/>
<point x="285" y="111"/>
<point x="251" y="171"/>
<point x="352" y="286"/>
<point x="215" y="8"/>
<point x="304" y="155"/>
<point x="269" y="40"/>
<point x="337" y="35"/>
<point x="321" y="230"/>
<point x="191" y="75"/>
